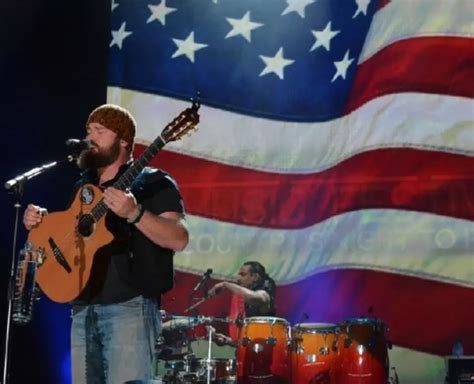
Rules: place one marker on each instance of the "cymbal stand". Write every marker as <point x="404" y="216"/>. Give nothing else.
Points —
<point x="210" y="329"/>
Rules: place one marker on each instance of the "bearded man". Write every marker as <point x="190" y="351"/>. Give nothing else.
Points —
<point x="116" y="319"/>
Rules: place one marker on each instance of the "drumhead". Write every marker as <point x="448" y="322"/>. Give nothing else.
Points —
<point x="315" y="327"/>
<point x="265" y="319"/>
<point x="215" y="362"/>
<point x="363" y="320"/>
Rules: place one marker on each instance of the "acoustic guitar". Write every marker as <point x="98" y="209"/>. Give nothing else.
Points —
<point x="66" y="243"/>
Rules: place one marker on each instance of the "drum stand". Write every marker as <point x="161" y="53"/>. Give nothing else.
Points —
<point x="210" y="330"/>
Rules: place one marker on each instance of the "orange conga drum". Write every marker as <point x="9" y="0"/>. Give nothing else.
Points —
<point x="262" y="355"/>
<point x="362" y="352"/>
<point x="313" y="353"/>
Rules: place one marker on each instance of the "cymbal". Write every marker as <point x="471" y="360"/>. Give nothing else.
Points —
<point x="178" y="322"/>
<point x="222" y="320"/>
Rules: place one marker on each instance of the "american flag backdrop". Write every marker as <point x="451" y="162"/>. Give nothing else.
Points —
<point x="336" y="147"/>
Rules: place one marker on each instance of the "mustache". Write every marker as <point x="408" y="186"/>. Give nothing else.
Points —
<point x="92" y="144"/>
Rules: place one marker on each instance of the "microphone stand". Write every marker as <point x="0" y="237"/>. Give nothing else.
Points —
<point x="205" y="286"/>
<point x="204" y="283"/>
<point x="17" y="186"/>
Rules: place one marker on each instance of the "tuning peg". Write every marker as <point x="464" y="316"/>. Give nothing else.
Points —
<point x="196" y="100"/>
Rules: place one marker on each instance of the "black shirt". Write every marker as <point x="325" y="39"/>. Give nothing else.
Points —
<point x="255" y="307"/>
<point x="133" y="265"/>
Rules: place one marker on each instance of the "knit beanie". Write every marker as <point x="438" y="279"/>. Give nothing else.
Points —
<point x="115" y="118"/>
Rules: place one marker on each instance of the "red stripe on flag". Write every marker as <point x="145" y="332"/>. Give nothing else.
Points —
<point x="421" y="314"/>
<point x="382" y="3"/>
<point x="440" y="65"/>
<point x="398" y="178"/>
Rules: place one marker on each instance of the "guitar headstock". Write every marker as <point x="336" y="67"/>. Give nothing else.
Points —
<point x="184" y="123"/>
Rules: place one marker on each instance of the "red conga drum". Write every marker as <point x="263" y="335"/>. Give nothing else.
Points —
<point x="362" y="352"/>
<point x="313" y="353"/>
<point x="262" y="355"/>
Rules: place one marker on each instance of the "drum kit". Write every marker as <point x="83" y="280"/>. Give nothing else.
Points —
<point x="181" y="364"/>
<point x="269" y="350"/>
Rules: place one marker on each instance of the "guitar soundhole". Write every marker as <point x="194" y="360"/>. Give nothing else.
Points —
<point x="86" y="225"/>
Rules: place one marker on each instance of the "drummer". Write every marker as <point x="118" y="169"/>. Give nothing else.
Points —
<point x="252" y="295"/>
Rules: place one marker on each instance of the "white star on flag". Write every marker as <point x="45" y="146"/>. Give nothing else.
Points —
<point x="297" y="6"/>
<point x="159" y="12"/>
<point x="119" y="36"/>
<point x="323" y="38"/>
<point x="342" y="66"/>
<point x="187" y="47"/>
<point x="362" y="6"/>
<point x="243" y="26"/>
<point x="275" y="64"/>
<point x="114" y="5"/>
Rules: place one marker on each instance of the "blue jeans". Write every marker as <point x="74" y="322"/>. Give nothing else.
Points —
<point x="115" y="343"/>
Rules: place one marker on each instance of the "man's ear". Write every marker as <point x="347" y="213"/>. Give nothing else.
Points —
<point x="256" y="278"/>
<point x="123" y="143"/>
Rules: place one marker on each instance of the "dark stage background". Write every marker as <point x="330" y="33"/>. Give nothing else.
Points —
<point x="53" y="67"/>
<point x="53" y="72"/>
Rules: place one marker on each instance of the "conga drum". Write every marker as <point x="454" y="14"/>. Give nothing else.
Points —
<point x="262" y="354"/>
<point x="362" y="352"/>
<point x="313" y="353"/>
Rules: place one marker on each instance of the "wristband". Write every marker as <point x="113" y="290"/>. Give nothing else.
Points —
<point x="137" y="216"/>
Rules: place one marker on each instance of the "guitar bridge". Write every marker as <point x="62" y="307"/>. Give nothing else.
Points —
<point x="59" y="256"/>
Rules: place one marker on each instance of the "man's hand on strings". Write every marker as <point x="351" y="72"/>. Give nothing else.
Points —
<point x="123" y="204"/>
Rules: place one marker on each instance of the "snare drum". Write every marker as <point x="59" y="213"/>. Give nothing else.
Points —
<point x="194" y="370"/>
<point x="362" y="352"/>
<point x="262" y="355"/>
<point x="221" y="370"/>
<point x="313" y="352"/>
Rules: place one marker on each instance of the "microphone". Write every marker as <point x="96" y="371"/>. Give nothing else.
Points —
<point x="28" y="175"/>
<point x="77" y="145"/>
<point x="204" y="278"/>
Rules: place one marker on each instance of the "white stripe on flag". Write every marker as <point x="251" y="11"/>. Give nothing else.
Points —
<point x="402" y="120"/>
<point x="413" y="367"/>
<point x="411" y="243"/>
<point x="402" y="19"/>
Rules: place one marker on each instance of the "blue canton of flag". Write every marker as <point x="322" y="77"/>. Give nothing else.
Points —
<point x="291" y="60"/>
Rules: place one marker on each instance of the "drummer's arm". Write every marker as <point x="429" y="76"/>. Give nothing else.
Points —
<point x="245" y="292"/>
<point x="221" y="339"/>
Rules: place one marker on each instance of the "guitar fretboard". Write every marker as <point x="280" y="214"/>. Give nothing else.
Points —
<point x="126" y="180"/>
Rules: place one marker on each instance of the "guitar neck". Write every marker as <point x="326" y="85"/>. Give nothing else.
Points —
<point x="126" y="180"/>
